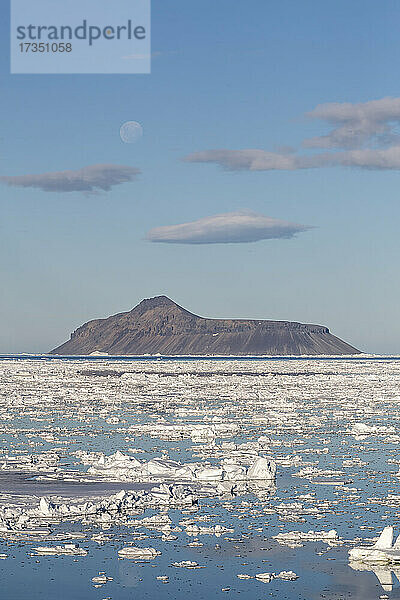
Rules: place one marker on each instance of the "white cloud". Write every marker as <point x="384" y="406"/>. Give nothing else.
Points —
<point x="236" y="227"/>
<point x="385" y="158"/>
<point x="87" y="179"/>
<point x="247" y="159"/>
<point x="357" y="124"/>
<point x="251" y="160"/>
<point x="363" y="136"/>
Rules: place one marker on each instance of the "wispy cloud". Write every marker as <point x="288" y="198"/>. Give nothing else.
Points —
<point x="228" y="228"/>
<point x="357" y="124"/>
<point x="377" y="159"/>
<point x="363" y="135"/>
<point x="88" y="179"/>
<point x="249" y="160"/>
<point x="260" y="160"/>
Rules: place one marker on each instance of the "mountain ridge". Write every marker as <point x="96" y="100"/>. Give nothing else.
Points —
<point x="159" y="325"/>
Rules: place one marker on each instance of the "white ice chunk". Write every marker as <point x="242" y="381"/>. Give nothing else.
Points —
<point x="69" y="549"/>
<point x="262" y="468"/>
<point x="381" y="552"/>
<point x="385" y="540"/>
<point x="138" y="553"/>
<point x="265" y="577"/>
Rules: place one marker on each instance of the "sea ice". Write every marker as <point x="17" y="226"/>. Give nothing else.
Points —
<point x="69" y="549"/>
<point x="382" y="552"/>
<point x="138" y="553"/>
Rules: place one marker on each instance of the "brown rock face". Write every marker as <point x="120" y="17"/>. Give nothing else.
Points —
<point x="159" y="326"/>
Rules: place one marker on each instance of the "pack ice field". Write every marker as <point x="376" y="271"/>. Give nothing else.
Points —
<point x="248" y="478"/>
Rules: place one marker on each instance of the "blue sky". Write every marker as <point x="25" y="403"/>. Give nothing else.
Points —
<point x="225" y="75"/>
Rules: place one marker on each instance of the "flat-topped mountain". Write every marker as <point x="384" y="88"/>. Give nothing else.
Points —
<point x="160" y="326"/>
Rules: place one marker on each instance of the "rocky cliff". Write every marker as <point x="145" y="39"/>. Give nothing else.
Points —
<point x="159" y="325"/>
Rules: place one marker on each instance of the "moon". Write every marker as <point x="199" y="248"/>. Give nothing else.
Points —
<point x="130" y="132"/>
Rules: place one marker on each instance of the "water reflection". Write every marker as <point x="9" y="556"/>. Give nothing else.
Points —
<point x="382" y="572"/>
<point x="129" y="573"/>
<point x="262" y="489"/>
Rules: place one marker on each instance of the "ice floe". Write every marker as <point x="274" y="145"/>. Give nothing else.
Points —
<point x="68" y="549"/>
<point x="122" y="467"/>
<point x="138" y="553"/>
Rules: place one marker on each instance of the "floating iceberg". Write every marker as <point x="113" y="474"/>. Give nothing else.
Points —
<point x="330" y="536"/>
<point x="138" y="553"/>
<point x="262" y="468"/>
<point x="382" y="552"/>
<point x="69" y="549"/>
<point x="121" y="467"/>
<point x="265" y="577"/>
<point x="187" y="564"/>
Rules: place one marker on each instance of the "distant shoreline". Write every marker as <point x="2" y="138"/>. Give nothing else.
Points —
<point x="193" y="357"/>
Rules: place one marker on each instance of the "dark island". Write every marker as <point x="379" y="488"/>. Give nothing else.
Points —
<point x="160" y="326"/>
